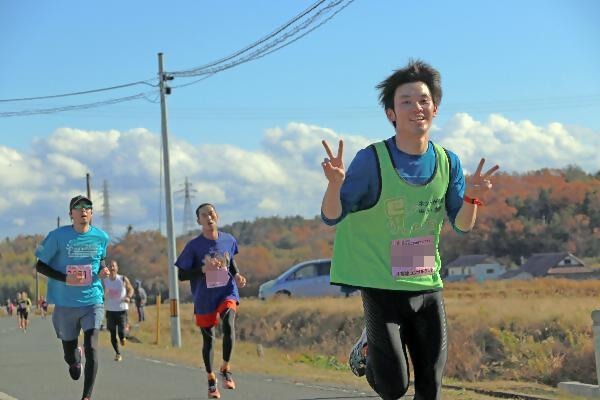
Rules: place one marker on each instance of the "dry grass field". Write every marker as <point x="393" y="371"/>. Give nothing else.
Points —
<point x="522" y="336"/>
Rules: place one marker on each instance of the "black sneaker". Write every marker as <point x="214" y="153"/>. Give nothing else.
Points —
<point x="75" y="368"/>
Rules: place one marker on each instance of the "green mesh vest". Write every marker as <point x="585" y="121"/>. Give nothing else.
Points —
<point x="394" y="244"/>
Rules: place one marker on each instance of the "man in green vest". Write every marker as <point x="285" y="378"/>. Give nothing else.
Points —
<point x="388" y="208"/>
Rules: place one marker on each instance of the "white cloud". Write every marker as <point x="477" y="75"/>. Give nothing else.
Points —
<point x="518" y="146"/>
<point x="283" y="177"/>
<point x="268" y="204"/>
<point x="67" y="165"/>
<point x="302" y="143"/>
<point x="95" y="144"/>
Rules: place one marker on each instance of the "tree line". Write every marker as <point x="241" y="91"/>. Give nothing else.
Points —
<point x="548" y="210"/>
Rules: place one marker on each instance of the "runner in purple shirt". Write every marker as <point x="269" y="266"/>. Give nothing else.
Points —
<point x="207" y="262"/>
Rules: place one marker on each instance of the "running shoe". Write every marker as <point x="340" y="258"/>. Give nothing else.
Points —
<point x="123" y="342"/>
<point x="357" y="361"/>
<point x="118" y="357"/>
<point x="228" y="382"/>
<point x="213" y="391"/>
<point x="75" y="368"/>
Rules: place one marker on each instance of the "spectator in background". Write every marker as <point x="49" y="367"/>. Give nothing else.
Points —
<point x="140" y="299"/>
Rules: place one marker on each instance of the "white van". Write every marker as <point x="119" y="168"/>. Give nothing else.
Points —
<point x="306" y="279"/>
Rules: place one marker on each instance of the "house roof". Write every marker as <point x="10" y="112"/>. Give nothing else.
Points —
<point x="467" y="261"/>
<point x="540" y="263"/>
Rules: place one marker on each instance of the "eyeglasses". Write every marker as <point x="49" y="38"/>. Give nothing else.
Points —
<point x="82" y="207"/>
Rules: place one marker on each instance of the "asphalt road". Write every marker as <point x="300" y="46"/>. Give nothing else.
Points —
<point x="32" y="368"/>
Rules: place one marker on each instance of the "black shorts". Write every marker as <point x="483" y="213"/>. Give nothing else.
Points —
<point x="115" y="319"/>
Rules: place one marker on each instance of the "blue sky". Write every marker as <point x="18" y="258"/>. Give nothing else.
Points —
<point x="521" y="87"/>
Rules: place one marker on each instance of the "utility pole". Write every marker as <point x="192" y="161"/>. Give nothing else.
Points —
<point x="173" y="287"/>
<point x="106" y="218"/>
<point x="87" y="184"/>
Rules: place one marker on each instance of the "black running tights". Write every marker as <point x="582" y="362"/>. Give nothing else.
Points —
<point x="397" y="321"/>
<point x="208" y="336"/>
<point x="90" y="346"/>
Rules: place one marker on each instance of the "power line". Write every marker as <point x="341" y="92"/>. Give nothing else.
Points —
<point x="74" y="107"/>
<point x="82" y="92"/>
<point x="309" y="31"/>
<point x="245" y="49"/>
<point x="269" y="47"/>
<point x="208" y="69"/>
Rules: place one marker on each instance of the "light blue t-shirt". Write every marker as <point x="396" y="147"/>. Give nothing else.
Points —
<point x="65" y="247"/>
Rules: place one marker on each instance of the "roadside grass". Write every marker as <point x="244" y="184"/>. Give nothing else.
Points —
<point x="511" y="336"/>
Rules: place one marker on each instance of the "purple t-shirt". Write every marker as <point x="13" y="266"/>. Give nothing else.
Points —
<point x="207" y="299"/>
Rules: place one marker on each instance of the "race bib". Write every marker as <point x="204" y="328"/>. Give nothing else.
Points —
<point x="412" y="257"/>
<point x="83" y="274"/>
<point x="217" y="278"/>
<point x="114" y="294"/>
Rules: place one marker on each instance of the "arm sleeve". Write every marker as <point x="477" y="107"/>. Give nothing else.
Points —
<point x="48" y="271"/>
<point x="188" y="274"/>
<point x="233" y="268"/>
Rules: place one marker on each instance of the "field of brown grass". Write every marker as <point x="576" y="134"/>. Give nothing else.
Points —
<point x="523" y="336"/>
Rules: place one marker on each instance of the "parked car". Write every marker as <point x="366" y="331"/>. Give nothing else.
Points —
<point x="306" y="279"/>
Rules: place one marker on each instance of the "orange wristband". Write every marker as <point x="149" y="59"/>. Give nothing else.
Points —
<point x="472" y="200"/>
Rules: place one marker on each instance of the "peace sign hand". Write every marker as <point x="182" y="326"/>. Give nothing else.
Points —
<point x="477" y="184"/>
<point x="333" y="167"/>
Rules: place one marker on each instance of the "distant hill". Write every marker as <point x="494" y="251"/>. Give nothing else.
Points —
<point x="541" y="211"/>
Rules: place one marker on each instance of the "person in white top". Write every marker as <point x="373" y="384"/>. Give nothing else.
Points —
<point x="118" y="292"/>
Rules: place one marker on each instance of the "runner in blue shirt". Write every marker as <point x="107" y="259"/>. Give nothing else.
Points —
<point x="73" y="258"/>
<point x="207" y="261"/>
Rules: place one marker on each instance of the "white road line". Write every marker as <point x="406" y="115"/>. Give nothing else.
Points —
<point x="4" y="396"/>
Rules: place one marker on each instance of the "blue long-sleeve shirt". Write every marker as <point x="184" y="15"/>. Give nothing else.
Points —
<point x="361" y="184"/>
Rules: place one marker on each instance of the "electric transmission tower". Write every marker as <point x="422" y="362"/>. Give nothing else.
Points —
<point x="106" y="219"/>
<point x="188" y="213"/>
